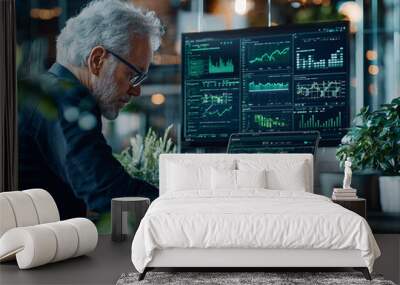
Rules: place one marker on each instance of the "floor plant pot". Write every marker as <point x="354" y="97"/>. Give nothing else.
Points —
<point x="389" y="189"/>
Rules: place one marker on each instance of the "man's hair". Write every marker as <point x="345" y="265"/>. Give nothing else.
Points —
<point x="108" y="23"/>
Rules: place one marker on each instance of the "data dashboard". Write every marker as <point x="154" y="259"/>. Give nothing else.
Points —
<point x="285" y="78"/>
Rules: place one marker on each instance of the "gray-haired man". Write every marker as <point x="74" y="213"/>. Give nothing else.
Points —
<point x="103" y="55"/>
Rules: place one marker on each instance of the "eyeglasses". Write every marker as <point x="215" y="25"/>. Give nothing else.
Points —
<point x="136" y="79"/>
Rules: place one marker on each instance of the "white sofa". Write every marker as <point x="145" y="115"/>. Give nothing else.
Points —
<point x="286" y="173"/>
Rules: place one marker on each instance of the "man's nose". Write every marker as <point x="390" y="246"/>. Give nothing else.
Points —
<point x="134" y="91"/>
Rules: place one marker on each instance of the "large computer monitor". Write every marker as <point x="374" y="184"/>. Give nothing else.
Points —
<point x="283" y="78"/>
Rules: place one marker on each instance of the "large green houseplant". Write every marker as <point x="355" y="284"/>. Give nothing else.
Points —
<point x="373" y="143"/>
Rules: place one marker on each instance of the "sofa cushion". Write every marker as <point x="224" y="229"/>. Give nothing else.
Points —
<point x="45" y="243"/>
<point x="26" y="208"/>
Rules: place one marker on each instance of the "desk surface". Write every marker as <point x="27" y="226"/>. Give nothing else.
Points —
<point x="102" y="266"/>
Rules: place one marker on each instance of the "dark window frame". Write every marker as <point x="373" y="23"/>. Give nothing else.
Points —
<point x="8" y="98"/>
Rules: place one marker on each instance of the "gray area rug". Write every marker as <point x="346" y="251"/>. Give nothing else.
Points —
<point x="269" y="278"/>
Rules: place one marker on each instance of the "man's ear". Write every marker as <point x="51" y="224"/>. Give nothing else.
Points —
<point x="96" y="59"/>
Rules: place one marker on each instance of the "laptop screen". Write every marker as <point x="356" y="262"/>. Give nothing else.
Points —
<point x="276" y="142"/>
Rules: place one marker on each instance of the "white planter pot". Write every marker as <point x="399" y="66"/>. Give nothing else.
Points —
<point x="389" y="188"/>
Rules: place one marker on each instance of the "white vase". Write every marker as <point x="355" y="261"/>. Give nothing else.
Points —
<point x="389" y="188"/>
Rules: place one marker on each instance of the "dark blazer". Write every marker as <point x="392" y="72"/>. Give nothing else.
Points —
<point x="69" y="156"/>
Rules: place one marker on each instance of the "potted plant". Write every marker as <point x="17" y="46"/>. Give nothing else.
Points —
<point x="140" y="159"/>
<point x="373" y="143"/>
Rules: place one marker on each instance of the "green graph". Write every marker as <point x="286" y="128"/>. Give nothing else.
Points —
<point x="218" y="113"/>
<point x="274" y="56"/>
<point x="224" y="83"/>
<point x="196" y="67"/>
<point x="215" y="99"/>
<point x="268" y="87"/>
<point x="222" y="66"/>
<point x="324" y="89"/>
<point x="313" y="123"/>
<point x="268" y="122"/>
<point x="305" y="59"/>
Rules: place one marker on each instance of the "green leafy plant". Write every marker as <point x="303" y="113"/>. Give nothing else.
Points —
<point x="315" y="13"/>
<point x="140" y="159"/>
<point x="374" y="141"/>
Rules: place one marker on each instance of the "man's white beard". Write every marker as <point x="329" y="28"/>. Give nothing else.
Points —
<point x="104" y="90"/>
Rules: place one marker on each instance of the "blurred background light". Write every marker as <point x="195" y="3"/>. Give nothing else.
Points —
<point x="157" y="99"/>
<point x="371" y="55"/>
<point x="241" y="7"/>
<point x="295" y="4"/>
<point x="373" y="69"/>
<point x="45" y="14"/>
<point x="352" y="11"/>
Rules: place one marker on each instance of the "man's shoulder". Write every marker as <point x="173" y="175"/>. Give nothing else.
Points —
<point x="68" y="93"/>
<point x="63" y="88"/>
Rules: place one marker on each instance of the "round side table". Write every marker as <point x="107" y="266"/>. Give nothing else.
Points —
<point x="126" y="214"/>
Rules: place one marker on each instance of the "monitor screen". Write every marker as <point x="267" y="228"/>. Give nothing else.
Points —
<point x="283" y="78"/>
<point x="276" y="142"/>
